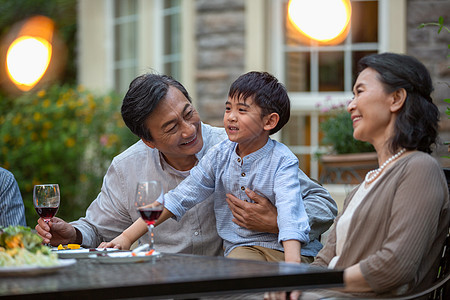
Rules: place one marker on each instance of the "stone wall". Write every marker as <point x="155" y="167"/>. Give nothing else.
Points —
<point x="220" y="34"/>
<point x="432" y="49"/>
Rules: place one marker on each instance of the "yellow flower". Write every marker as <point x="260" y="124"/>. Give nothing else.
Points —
<point x="107" y="100"/>
<point x="47" y="125"/>
<point x="59" y="103"/>
<point x="36" y="116"/>
<point x="6" y="138"/>
<point x="20" y="141"/>
<point x="16" y="119"/>
<point x="80" y="88"/>
<point x="83" y="178"/>
<point x="113" y="138"/>
<point x="46" y="103"/>
<point x="70" y="142"/>
<point x="44" y="134"/>
<point x="34" y="136"/>
<point x="41" y="93"/>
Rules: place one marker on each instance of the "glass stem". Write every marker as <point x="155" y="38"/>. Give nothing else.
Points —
<point x="152" y="241"/>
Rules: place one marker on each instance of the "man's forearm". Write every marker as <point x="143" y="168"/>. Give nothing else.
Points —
<point x="78" y="237"/>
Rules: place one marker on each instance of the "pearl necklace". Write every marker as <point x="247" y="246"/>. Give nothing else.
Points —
<point x="372" y="175"/>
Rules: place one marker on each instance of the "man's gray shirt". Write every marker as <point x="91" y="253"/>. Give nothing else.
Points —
<point x="113" y="210"/>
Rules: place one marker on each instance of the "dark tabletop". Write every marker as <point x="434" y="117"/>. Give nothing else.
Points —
<point x="171" y="275"/>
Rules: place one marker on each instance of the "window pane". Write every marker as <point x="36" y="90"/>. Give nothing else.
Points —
<point x="331" y="71"/>
<point x="124" y="7"/>
<point x="364" y="22"/>
<point x="125" y="45"/>
<point x="356" y="56"/>
<point x="172" y="34"/>
<point x="298" y="132"/>
<point x="298" y="67"/>
<point x="173" y="69"/>
<point x="123" y="77"/>
<point x="171" y="3"/>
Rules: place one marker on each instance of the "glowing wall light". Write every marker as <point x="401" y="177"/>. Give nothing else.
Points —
<point x="27" y="59"/>
<point x="325" y="21"/>
<point x="29" y="54"/>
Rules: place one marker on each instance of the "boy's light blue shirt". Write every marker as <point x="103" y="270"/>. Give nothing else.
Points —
<point x="271" y="171"/>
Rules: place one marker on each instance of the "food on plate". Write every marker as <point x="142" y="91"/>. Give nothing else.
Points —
<point x="20" y="246"/>
<point x="69" y="247"/>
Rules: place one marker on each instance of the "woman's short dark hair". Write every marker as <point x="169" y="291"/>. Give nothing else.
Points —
<point x="416" y="126"/>
<point x="143" y="96"/>
<point x="267" y="92"/>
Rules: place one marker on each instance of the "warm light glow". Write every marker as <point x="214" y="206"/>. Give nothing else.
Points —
<point x="325" y="21"/>
<point x="27" y="60"/>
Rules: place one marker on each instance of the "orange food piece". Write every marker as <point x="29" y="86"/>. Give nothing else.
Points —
<point x="150" y="252"/>
<point x="73" y="246"/>
<point x="60" y="247"/>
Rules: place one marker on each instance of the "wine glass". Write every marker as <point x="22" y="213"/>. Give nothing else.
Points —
<point x="46" y="200"/>
<point x="150" y="203"/>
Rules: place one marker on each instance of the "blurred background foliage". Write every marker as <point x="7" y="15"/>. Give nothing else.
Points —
<point x="59" y="133"/>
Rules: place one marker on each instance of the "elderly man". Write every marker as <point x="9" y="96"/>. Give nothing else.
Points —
<point x="171" y="144"/>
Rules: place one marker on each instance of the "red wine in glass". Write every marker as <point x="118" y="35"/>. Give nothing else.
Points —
<point x="149" y="203"/>
<point x="46" y="213"/>
<point x="46" y="200"/>
<point x="150" y="215"/>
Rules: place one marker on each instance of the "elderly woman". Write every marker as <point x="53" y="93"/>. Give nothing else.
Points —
<point x="391" y="231"/>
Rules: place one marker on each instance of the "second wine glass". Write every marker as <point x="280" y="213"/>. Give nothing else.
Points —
<point x="46" y="200"/>
<point x="150" y="203"/>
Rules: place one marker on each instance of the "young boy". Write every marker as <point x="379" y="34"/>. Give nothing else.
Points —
<point x="257" y="106"/>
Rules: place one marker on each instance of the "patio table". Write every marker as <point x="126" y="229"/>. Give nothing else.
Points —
<point x="167" y="276"/>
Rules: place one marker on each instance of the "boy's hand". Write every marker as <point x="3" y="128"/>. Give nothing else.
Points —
<point x="110" y="245"/>
<point x="259" y="216"/>
<point x="119" y="242"/>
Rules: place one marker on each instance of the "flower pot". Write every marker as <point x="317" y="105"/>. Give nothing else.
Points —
<point x="347" y="168"/>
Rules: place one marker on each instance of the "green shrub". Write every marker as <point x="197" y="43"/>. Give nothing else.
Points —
<point x="337" y="129"/>
<point x="63" y="135"/>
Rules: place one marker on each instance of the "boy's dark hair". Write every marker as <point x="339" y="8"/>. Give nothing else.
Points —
<point x="416" y="126"/>
<point x="143" y="96"/>
<point x="267" y="92"/>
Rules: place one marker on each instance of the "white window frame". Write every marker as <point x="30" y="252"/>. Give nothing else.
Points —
<point x="113" y="65"/>
<point x="391" y="37"/>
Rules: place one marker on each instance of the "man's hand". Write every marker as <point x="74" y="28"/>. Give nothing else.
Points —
<point x="259" y="216"/>
<point x="56" y="232"/>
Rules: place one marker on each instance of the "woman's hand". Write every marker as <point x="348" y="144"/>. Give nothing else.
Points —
<point x="259" y="216"/>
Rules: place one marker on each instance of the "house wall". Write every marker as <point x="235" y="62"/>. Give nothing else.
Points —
<point x="432" y="49"/>
<point x="220" y="37"/>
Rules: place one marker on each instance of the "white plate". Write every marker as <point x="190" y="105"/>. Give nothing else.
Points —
<point x="123" y="257"/>
<point x="81" y="253"/>
<point x="35" y="270"/>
